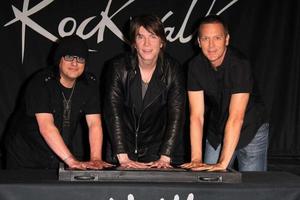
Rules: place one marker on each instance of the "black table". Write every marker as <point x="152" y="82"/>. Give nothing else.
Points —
<point x="43" y="184"/>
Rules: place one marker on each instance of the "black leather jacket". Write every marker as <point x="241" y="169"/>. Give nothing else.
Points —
<point x="144" y="129"/>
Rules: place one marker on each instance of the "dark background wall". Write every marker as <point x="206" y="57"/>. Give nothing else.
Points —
<point x="266" y="31"/>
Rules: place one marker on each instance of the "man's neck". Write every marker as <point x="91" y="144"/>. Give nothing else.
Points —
<point x="146" y="71"/>
<point x="67" y="83"/>
<point x="147" y="65"/>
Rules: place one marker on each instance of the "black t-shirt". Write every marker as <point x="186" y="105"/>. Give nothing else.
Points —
<point x="43" y="94"/>
<point x="233" y="76"/>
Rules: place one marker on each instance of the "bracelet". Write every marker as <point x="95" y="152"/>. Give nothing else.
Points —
<point x="70" y="156"/>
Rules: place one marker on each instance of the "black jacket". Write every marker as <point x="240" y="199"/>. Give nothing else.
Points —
<point x="148" y="128"/>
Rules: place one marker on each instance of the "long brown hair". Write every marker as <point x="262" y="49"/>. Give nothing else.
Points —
<point x="151" y="23"/>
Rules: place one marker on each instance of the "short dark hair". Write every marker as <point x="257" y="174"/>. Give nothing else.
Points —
<point x="211" y="19"/>
<point x="151" y="23"/>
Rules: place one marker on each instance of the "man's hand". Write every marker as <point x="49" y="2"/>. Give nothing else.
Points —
<point x="75" y="164"/>
<point x="209" y="167"/>
<point x="97" y="164"/>
<point x="163" y="162"/>
<point x="92" y="164"/>
<point x="192" y="164"/>
<point x="125" y="162"/>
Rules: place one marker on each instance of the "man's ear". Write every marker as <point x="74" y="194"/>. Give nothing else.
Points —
<point x="227" y="39"/>
<point x="198" y="41"/>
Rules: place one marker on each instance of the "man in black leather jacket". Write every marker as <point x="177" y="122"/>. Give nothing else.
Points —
<point x="144" y="104"/>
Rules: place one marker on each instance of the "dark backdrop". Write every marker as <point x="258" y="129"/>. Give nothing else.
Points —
<point x="266" y="31"/>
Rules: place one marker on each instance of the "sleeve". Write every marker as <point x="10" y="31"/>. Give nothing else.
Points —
<point x="176" y="111"/>
<point x="113" y="109"/>
<point x="37" y="97"/>
<point x="194" y="79"/>
<point x="93" y="103"/>
<point x="241" y="77"/>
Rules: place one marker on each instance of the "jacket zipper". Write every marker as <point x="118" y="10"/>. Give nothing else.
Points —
<point x="138" y="125"/>
<point x="136" y="135"/>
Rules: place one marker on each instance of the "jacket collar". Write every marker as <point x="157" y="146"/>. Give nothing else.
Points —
<point x="132" y="65"/>
<point x="157" y="84"/>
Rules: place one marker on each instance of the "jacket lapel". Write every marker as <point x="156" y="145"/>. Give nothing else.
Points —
<point x="156" y="87"/>
<point x="135" y="89"/>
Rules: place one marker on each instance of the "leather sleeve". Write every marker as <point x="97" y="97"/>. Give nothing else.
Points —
<point x="176" y="109"/>
<point x="113" y="108"/>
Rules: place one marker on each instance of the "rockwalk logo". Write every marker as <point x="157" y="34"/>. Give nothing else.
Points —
<point x="106" y="21"/>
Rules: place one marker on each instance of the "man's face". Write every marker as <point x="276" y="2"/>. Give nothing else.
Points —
<point x="70" y="68"/>
<point x="213" y="41"/>
<point x="148" y="45"/>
